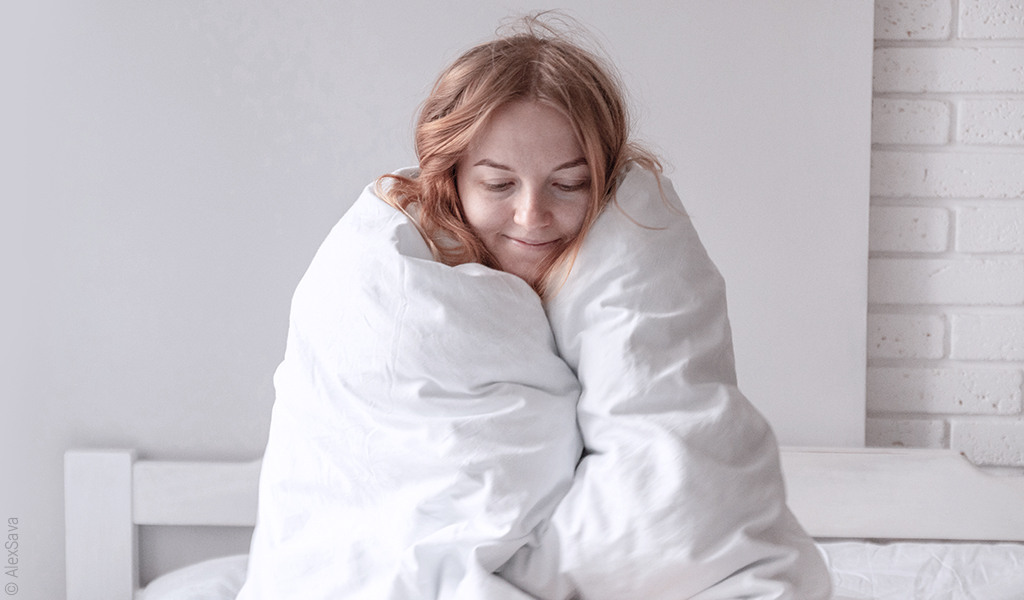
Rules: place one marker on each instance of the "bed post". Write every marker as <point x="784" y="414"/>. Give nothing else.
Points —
<point x="101" y="545"/>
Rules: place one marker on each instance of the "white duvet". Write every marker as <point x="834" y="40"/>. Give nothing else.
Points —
<point x="429" y="424"/>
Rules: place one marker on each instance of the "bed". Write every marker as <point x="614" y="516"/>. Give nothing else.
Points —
<point x="891" y="523"/>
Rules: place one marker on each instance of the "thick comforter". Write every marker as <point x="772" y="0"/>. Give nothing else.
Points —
<point x="427" y="435"/>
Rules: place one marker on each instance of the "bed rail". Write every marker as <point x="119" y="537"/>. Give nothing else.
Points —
<point x="835" y="493"/>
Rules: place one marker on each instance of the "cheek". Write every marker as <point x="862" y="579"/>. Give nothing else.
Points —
<point x="571" y="220"/>
<point x="483" y="216"/>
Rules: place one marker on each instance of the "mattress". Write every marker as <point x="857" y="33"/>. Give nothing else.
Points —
<point x="860" y="571"/>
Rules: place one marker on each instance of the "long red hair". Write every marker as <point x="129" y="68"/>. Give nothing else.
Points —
<point x="537" y="62"/>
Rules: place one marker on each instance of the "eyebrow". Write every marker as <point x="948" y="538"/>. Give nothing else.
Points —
<point x="486" y="162"/>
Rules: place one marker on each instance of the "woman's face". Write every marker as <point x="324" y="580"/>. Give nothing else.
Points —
<point x="525" y="186"/>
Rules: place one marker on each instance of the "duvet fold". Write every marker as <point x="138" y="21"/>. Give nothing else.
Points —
<point x="424" y="425"/>
<point x="680" y="494"/>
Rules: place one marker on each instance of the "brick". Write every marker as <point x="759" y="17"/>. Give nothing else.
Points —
<point x="946" y="175"/>
<point x="980" y="282"/>
<point x="987" y="337"/>
<point x="908" y="229"/>
<point x="944" y="391"/>
<point x="990" y="229"/>
<point x="989" y="442"/>
<point x="918" y="70"/>
<point x="909" y="121"/>
<point x="991" y="122"/>
<point x="905" y="336"/>
<point x="905" y="433"/>
<point x="913" y="19"/>
<point x="991" y="19"/>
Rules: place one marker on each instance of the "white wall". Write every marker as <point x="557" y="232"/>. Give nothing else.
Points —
<point x="173" y="166"/>
<point x="765" y="115"/>
<point x="946" y="312"/>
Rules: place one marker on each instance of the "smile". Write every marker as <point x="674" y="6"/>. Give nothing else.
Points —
<point x="531" y="245"/>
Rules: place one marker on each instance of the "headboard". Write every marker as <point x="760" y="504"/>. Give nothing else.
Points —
<point x="835" y="493"/>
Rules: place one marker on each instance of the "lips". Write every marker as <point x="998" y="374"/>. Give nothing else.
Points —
<point x="533" y="244"/>
<point x="523" y="257"/>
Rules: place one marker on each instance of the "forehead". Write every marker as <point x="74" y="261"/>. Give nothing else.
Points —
<point x="526" y="127"/>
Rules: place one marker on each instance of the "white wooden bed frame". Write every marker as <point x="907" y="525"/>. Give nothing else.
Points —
<point x="835" y="493"/>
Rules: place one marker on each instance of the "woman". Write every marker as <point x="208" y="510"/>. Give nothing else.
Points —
<point x="479" y="106"/>
<point x="430" y="438"/>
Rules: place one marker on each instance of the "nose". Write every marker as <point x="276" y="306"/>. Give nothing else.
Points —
<point x="533" y="210"/>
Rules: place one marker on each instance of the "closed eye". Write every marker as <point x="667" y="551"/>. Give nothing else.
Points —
<point x="573" y="187"/>
<point x="497" y="187"/>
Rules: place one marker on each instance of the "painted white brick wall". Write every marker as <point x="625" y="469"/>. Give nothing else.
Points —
<point x="991" y="19"/>
<point x="917" y="433"/>
<point x="912" y="20"/>
<point x="946" y="280"/>
<point x="906" y="336"/>
<point x="957" y="174"/>
<point x="909" y="229"/>
<point x="996" y="122"/>
<point x="987" y="337"/>
<point x="970" y="391"/>
<point x="990" y="228"/>
<point x="957" y="69"/>
<point x="971" y="282"/>
<point x="989" y="442"/>
<point x="909" y="121"/>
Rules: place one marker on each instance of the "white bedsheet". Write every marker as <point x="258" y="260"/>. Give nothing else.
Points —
<point x="859" y="571"/>
<point x="926" y="571"/>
